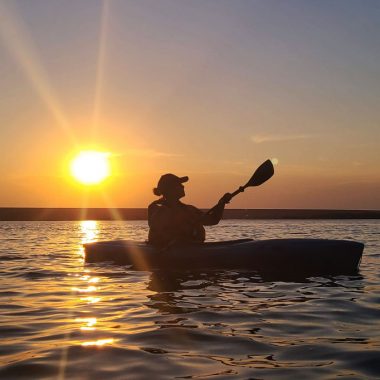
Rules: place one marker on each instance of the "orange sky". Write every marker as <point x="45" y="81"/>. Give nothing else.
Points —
<point x="204" y="89"/>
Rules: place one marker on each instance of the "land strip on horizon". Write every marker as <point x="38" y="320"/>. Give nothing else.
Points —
<point x="67" y="214"/>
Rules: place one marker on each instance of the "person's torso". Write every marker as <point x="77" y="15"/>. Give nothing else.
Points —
<point x="179" y="222"/>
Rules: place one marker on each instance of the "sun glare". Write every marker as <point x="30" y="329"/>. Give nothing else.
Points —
<point x="90" y="167"/>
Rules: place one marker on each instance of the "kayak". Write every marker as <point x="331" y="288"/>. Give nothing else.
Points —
<point x="273" y="255"/>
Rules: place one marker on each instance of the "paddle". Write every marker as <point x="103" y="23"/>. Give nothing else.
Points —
<point x="261" y="175"/>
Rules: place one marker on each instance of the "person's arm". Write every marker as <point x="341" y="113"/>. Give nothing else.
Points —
<point x="214" y="215"/>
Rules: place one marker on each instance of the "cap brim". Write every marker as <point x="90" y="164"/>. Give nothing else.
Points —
<point x="183" y="179"/>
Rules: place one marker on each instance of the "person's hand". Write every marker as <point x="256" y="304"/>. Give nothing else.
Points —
<point x="226" y="198"/>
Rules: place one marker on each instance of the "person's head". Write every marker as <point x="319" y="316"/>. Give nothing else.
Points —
<point x="170" y="186"/>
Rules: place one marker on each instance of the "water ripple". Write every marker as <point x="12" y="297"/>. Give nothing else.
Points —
<point x="63" y="319"/>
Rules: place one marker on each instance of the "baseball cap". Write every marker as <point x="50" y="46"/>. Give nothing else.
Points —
<point x="167" y="181"/>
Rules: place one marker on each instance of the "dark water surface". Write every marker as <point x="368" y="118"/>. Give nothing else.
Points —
<point x="62" y="319"/>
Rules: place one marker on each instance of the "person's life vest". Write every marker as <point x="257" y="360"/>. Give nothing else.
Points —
<point x="178" y="224"/>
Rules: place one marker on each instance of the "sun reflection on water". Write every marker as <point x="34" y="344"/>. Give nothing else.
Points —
<point x="89" y="229"/>
<point x="90" y="280"/>
<point x="89" y="323"/>
<point x="99" y="342"/>
<point x="90" y="300"/>
<point x="89" y="289"/>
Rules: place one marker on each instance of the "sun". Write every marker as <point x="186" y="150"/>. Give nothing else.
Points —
<point x="90" y="167"/>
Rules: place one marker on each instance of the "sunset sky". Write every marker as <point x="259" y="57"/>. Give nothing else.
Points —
<point x="209" y="89"/>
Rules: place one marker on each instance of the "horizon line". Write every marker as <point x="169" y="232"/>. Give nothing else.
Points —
<point x="101" y="213"/>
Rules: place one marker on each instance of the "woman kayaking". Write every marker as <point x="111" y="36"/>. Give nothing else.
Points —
<point x="171" y="221"/>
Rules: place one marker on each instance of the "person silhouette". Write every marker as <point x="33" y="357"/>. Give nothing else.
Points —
<point x="171" y="221"/>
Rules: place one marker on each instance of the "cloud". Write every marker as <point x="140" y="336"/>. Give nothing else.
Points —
<point x="261" y="138"/>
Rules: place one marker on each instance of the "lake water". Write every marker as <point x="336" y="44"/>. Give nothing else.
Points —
<point x="63" y="319"/>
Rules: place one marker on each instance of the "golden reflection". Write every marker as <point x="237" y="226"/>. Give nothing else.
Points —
<point x="86" y="277"/>
<point x="89" y="289"/>
<point x="90" y="230"/>
<point x="91" y="299"/>
<point x="89" y="323"/>
<point x="99" y="342"/>
<point x="90" y="280"/>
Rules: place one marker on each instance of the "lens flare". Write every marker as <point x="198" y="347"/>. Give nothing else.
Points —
<point x="274" y="161"/>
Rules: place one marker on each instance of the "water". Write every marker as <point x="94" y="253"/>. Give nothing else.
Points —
<point x="62" y="319"/>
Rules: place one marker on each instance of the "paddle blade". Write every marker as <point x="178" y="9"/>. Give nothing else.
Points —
<point x="262" y="174"/>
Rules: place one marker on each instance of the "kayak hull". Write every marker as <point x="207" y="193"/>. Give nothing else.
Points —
<point x="274" y="255"/>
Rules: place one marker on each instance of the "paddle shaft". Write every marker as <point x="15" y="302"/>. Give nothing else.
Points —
<point x="261" y="175"/>
<point x="236" y="192"/>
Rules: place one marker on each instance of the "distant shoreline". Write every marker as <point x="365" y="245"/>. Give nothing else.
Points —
<point x="68" y="214"/>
